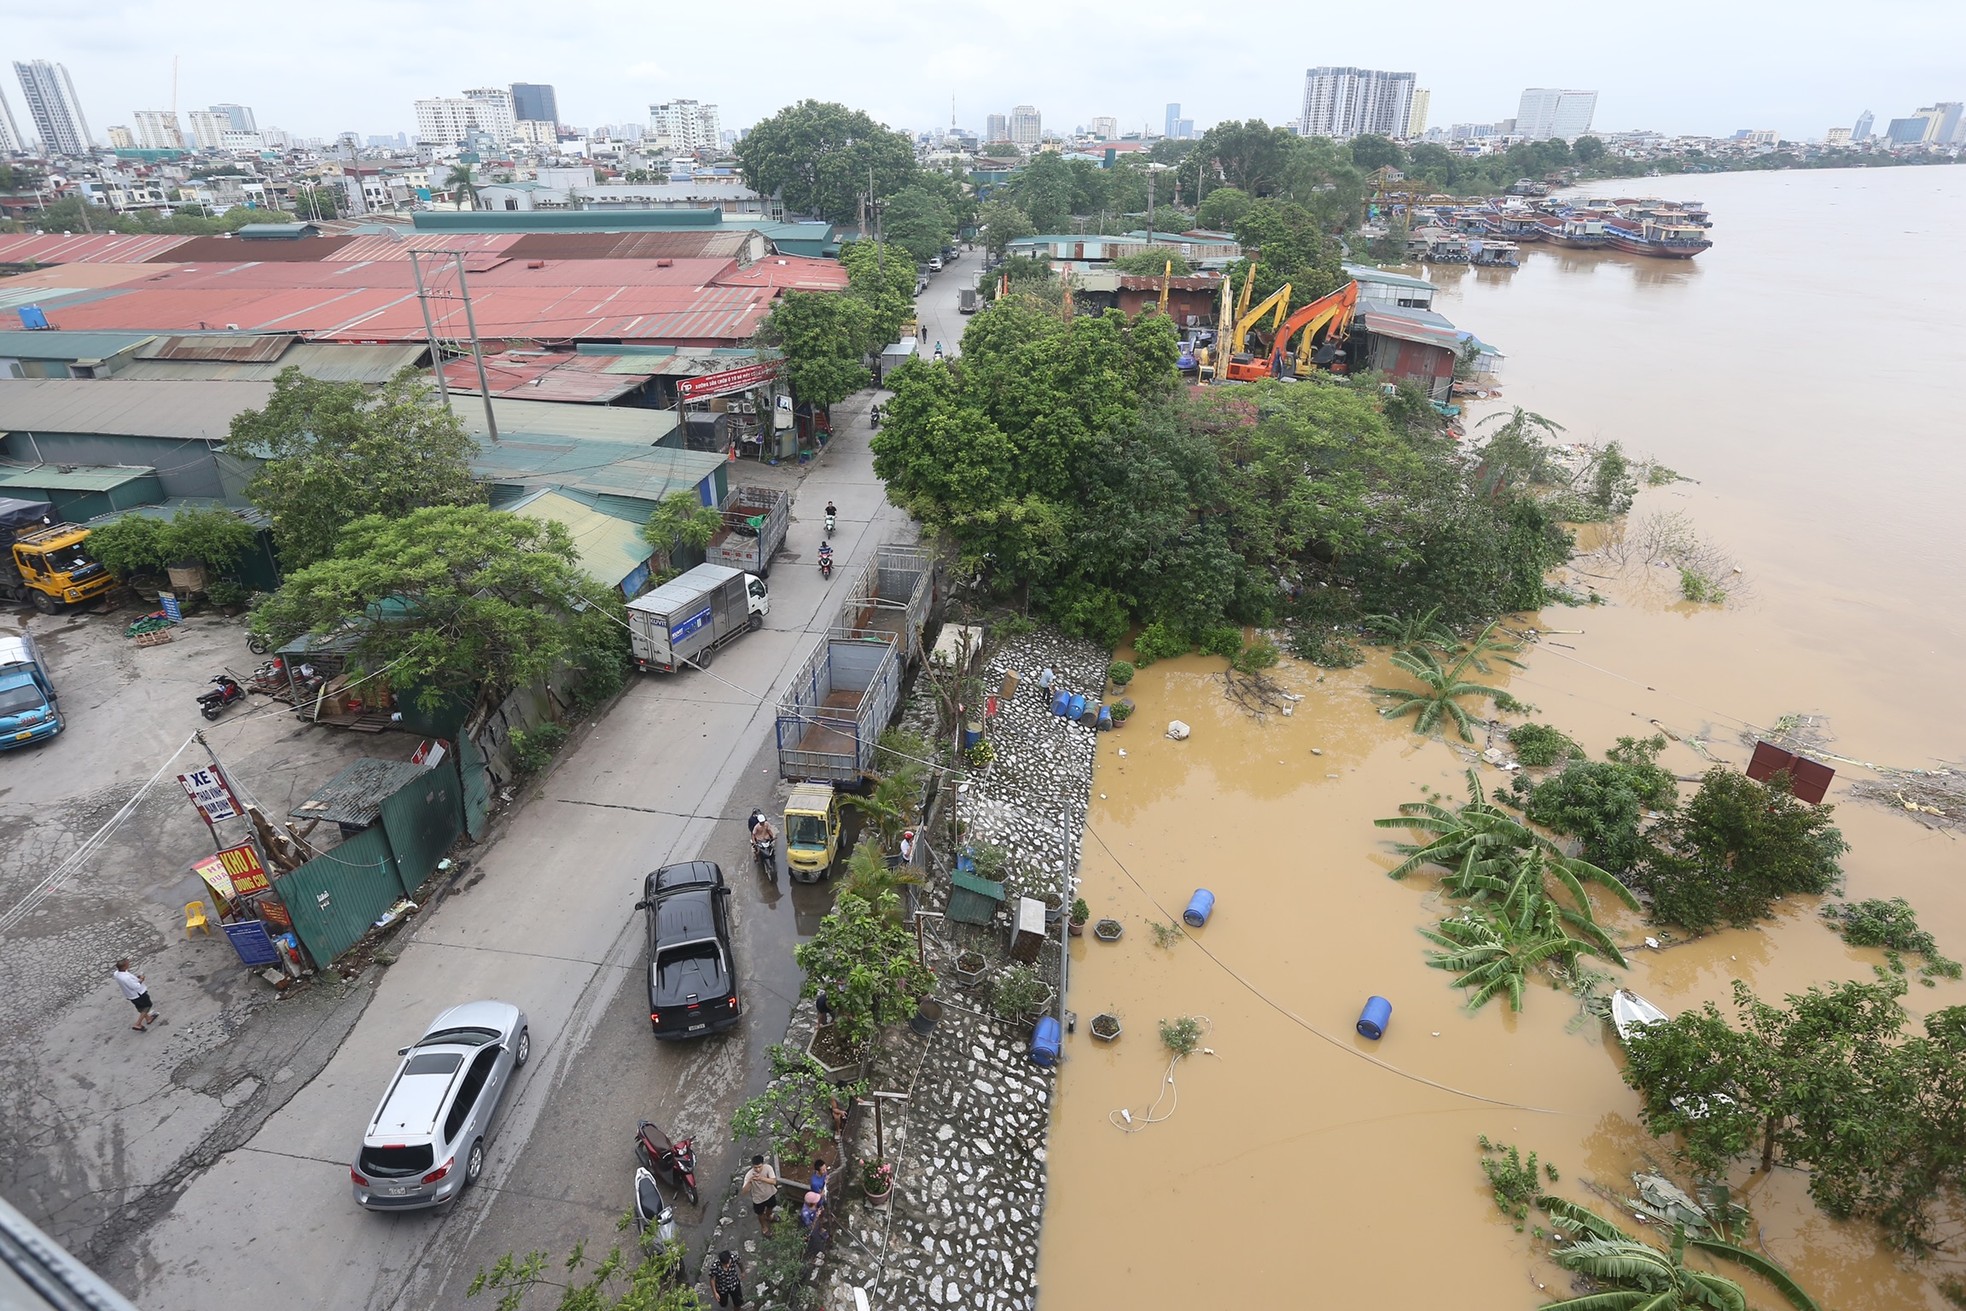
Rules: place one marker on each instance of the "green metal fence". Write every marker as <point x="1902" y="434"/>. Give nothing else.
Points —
<point x="336" y="896"/>
<point x="422" y="819"/>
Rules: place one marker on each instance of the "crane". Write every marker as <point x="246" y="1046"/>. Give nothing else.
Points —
<point x="1237" y="366"/>
<point x="1333" y="311"/>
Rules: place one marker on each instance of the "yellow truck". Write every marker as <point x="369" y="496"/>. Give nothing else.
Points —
<point x="812" y="831"/>
<point x="48" y="563"/>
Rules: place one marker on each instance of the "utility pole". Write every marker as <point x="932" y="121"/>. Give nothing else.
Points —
<point x="874" y="204"/>
<point x="477" y="348"/>
<point x="430" y="328"/>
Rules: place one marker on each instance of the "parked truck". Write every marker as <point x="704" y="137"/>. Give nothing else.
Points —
<point x="755" y="520"/>
<point x="967" y="301"/>
<point x="687" y="618"/>
<point x="891" y="596"/>
<point x="831" y="718"/>
<point x="47" y="562"/>
<point x="29" y="709"/>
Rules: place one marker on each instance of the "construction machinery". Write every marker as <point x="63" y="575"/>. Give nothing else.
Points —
<point x="1331" y="314"/>
<point x="47" y="562"/>
<point x="1238" y="364"/>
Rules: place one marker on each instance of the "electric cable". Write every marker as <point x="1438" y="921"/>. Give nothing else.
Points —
<point x="1123" y="1118"/>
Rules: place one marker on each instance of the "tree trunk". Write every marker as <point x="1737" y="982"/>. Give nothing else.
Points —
<point x="1768" y="1146"/>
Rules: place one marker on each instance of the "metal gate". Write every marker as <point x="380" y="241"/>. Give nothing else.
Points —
<point x="335" y="897"/>
<point x="422" y="819"/>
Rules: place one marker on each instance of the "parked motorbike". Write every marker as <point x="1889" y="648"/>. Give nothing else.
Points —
<point x="212" y="704"/>
<point x="766" y="851"/>
<point x="650" y="1209"/>
<point x="675" y="1162"/>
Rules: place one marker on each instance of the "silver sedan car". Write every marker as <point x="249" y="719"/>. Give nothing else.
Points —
<point x="426" y="1142"/>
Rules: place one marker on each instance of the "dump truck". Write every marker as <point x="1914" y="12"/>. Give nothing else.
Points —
<point x="755" y="520"/>
<point x="29" y="709"/>
<point x="831" y="718"/>
<point x="687" y="618"/>
<point x="891" y="596"/>
<point x="967" y="301"/>
<point x="47" y="562"/>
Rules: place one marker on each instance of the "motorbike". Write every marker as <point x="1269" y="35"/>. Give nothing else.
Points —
<point x="676" y="1161"/>
<point x="829" y="523"/>
<point x="650" y="1209"/>
<point x="766" y="850"/>
<point x="825" y="562"/>
<point x="212" y="704"/>
<point x="875" y="415"/>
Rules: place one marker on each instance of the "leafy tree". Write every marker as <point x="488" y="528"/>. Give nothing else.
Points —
<point x="329" y="451"/>
<point x="317" y="202"/>
<point x="652" y="1276"/>
<point x="794" y="1113"/>
<point x="881" y="277"/>
<point x="1248" y="156"/>
<point x="864" y="958"/>
<point x="1152" y="264"/>
<point x="919" y="221"/>
<point x="1223" y="208"/>
<point x="679" y="520"/>
<point x="132" y="545"/>
<point x="1587" y="150"/>
<point x="463" y="183"/>
<point x="1001" y="223"/>
<point x="1370" y="152"/>
<point x="1603" y="803"/>
<point x="1043" y="190"/>
<point x="824" y="336"/>
<point x="218" y="539"/>
<point x="1282" y="241"/>
<point x="1735" y="848"/>
<point x="447" y="597"/>
<point x="1443" y="684"/>
<point x="817" y="156"/>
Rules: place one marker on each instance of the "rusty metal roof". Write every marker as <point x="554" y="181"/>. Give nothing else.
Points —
<point x="228" y="250"/>
<point x="354" y="796"/>
<point x="554" y="376"/>
<point x="711" y="244"/>
<point x="242" y="349"/>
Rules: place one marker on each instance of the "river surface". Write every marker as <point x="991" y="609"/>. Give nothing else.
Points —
<point x="1804" y="373"/>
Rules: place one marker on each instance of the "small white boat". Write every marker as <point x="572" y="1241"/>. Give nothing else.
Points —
<point x="1630" y="1012"/>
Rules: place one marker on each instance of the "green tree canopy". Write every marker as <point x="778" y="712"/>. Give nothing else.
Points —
<point x="1282" y="240"/>
<point x="824" y="336"/>
<point x="1223" y="209"/>
<point x="681" y="520"/>
<point x="331" y="451"/>
<point x="1371" y="151"/>
<point x="1735" y="848"/>
<point x="1151" y="264"/>
<point x="919" y="221"/>
<point x="1044" y="190"/>
<point x="881" y="277"/>
<point x="818" y="154"/>
<point x="1587" y="150"/>
<point x="863" y="957"/>
<point x="1250" y="156"/>
<point x="447" y="597"/>
<point x="1001" y="223"/>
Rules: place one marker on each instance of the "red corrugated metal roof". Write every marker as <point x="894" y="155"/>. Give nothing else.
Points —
<point x="83" y="248"/>
<point x="552" y="376"/>
<point x="391" y="246"/>
<point x="790" y="273"/>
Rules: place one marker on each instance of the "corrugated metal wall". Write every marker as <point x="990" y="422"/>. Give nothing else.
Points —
<point x="336" y="896"/>
<point x="422" y="820"/>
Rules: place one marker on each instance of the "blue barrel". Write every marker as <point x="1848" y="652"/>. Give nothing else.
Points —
<point x="1061" y="701"/>
<point x="1105" y="718"/>
<point x="972" y="734"/>
<point x="1200" y="907"/>
<point x="1372" y="1021"/>
<point x="1076" y="707"/>
<point x="1044" y="1042"/>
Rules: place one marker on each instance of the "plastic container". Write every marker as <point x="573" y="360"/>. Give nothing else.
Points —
<point x="1044" y="1042"/>
<point x="1372" y="1021"/>
<point x="1076" y="706"/>
<point x="1061" y="702"/>
<point x="972" y="734"/>
<point x="1200" y="907"/>
<point x="1105" y="718"/>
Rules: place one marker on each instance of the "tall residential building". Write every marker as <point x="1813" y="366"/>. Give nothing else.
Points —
<point x="1416" y="118"/>
<point x="1026" y="125"/>
<point x="685" y="125"/>
<point x="158" y="129"/>
<point x="996" y="127"/>
<point x="535" y="102"/>
<point x="1907" y="131"/>
<point x="1861" y="132"/>
<point x="121" y="138"/>
<point x="239" y="116"/>
<point x="208" y="129"/>
<point x="1349" y="102"/>
<point x="1171" y="124"/>
<point x="10" y="137"/>
<point x="1546" y="112"/>
<point x="1945" y="118"/>
<point x="1106" y="128"/>
<point x="444" y="120"/>
<point x="54" y="107"/>
<point x="492" y="109"/>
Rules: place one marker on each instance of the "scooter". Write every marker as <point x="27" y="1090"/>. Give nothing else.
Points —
<point x="213" y="704"/>
<point x="650" y="1209"/>
<point x="765" y="849"/>
<point x="675" y="1162"/>
<point x="829" y="523"/>
<point x="875" y="415"/>
<point x="825" y="561"/>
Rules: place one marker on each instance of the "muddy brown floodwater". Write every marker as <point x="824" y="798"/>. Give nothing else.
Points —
<point x="1798" y="371"/>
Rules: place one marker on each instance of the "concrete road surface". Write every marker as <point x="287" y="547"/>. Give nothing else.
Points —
<point x="936" y="307"/>
<point x="547" y="923"/>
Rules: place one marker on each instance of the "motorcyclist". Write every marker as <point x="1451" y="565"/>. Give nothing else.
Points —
<point x="761" y="829"/>
<point x="831" y="510"/>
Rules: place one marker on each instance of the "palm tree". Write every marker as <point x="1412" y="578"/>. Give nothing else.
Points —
<point x="1442" y="685"/>
<point x="1611" y="1255"/>
<point x="461" y="181"/>
<point x="1408" y="634"/>
<point x="1493" y="955"/>
<point x="869" y="876"/>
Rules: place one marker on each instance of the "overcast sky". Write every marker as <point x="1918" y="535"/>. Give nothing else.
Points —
<point x="356" y="65"/>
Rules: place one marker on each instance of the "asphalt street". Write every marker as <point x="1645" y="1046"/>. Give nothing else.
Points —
<point x="546" y="922"/>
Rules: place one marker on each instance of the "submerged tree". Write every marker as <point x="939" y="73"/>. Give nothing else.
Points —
<point x="1443" y="685"/>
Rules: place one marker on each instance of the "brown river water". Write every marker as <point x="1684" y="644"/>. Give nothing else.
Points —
<point x="1802" y="372"/>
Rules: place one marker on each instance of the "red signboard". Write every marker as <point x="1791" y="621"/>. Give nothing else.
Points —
<point x="730" y="380"/>
<point x="237" y="868"/>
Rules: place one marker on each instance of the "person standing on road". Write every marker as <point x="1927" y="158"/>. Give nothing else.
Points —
<point x="727" y="1279"/>
<point x="760" y="1189"/>
<point x="136" y="994"/>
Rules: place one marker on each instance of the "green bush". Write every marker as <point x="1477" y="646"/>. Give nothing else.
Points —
<point x="215" y="538"/>
<point x="133" y="544"/>
<point x="1603" y="803"/>
<point x="1257" y="656"/>
<point x="1736" y="848"/>
<point x="1162" y="641"/>
<point x="1699" y="589"/>
<point x="531" y="749"/>
<point x="1325" y="649"/>
<point x="1893" y="925"/>
<point x="1181" y="1036"/>
<point x="1224" y="641"/>
<point x="227" y="594"/>
<point x="1119" y="673"/>
<point x="1540" y="745"/>
<point x="1097" y="614"/>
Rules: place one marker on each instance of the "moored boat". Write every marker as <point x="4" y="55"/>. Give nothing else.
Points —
<point x="1488" y="253"/>
<point x="1575" y="231"/>
<point x="1658" y="237"/>
<point x="1631" y="1012"/>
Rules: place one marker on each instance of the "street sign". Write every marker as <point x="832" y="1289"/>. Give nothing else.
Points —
<point x="172" y="610"/>
<point x="250" y="940"/>
<point x="730" y="380"/>
<point x="210" y="792"/>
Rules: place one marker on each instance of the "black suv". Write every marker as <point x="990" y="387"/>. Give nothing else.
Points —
<point x="692" y="976"/>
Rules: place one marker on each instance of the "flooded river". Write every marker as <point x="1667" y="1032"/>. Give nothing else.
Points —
<point x="1802" y="372"/>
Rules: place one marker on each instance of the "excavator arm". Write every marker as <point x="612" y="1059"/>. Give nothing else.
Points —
<point x="1334" y="310"/>
<point x="1275" y="305"/>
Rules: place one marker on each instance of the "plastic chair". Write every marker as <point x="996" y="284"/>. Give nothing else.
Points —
<point x="194" y="918"/>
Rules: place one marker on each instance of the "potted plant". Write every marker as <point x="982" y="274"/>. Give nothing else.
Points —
<point x="1019" y="994"/>
<point x="1119" y="673"/>
<point x="970" y="968"/>
<point x="1122" y="711"/>
<point x="863" y="957"/>
<point x="795" y="1112"/>
<point x="877" y="1182"/>
<point x="1080" y="914"/>
<point x="1108" y="930"/>
<point x="1106" y="1027"/>
<point x="1054" y="907"/>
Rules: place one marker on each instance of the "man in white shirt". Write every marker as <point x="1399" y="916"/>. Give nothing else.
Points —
<point x="136" y="994"/>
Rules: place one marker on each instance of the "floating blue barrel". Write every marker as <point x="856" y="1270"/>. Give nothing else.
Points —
<point x="1105" y="718"/>
<point x="1061" y="702"/>
<point x="1372" y="1021"/>
<point x="972" y="734"/>
<point x="1044" y="1042"/>
<point x="1200" y="907"/>
<point x="1076" y="707"/>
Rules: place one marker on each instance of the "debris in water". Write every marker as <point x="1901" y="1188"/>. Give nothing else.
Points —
<point x="1177" y="730"/>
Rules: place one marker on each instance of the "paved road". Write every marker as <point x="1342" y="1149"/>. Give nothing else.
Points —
<point x="936" y="307"/>
<point x="547" y="922"/>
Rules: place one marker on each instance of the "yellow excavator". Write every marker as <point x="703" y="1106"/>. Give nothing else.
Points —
<point x="1238" y="365"/>
<point x="1332" y="313"/>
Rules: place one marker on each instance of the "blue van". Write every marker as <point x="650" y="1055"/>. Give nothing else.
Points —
<point x="29" y="709"/>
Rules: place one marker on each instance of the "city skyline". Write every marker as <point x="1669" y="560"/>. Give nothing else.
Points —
<point x="1811" y="73"/>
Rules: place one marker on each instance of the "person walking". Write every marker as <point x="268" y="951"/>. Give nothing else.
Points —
<point x="1045" y="679"/>
<point x="760" y="1189"/>
<point x="136" y="994"/>
<point x="727" y="1279"/>
<point x="908" y="846"/>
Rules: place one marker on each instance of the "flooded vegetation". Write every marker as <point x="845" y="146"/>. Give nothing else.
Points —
<point x="1293" y="1161"/>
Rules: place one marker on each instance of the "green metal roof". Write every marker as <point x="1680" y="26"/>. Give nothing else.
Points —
<point x="646" y="473"/>
<point x="609" y="548"/>
<point x="65" y="478"/>
<point x="168" y="508"/>
<point x="54" y="344"/>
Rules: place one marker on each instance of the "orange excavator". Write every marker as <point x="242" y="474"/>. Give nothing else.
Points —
<point x="1237" y="364"/>
<point x="1333" y="312"/>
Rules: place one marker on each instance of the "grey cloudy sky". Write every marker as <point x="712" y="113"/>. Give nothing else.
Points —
<point x="356" y="65"/>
